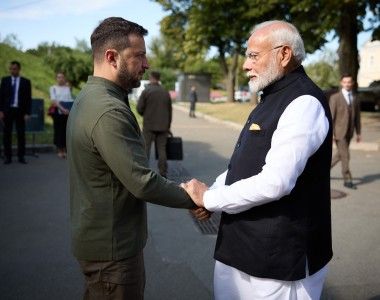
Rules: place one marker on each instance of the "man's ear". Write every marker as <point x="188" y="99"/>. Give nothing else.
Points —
<point x="286" y="55"/>
<point x="111" y="57"/>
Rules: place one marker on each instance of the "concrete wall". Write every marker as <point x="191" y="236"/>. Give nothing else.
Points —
<point x="202" y="83"/>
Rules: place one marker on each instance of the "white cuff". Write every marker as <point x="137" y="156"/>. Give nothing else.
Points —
<point x="210" y="202"/>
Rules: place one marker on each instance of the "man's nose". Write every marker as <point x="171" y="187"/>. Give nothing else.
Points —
<point x="246" y="65"/>
<point x="146" y="64"/>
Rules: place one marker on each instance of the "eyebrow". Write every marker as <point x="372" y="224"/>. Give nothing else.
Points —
<point x="251" y="52"/>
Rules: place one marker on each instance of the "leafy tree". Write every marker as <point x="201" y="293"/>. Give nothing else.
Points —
<point x="82" y="46"/>
<point x="200" y="24"/>
<point x="164" y="53"/>
<point x="32" y="67"/>
<point x="323" y="74"/>
<point x="12" y="40"/>
<point x="348" y="20"/>
<point x="76" y="64"/>
<point x="164" y="59"/>
<point x="197" y="25"/>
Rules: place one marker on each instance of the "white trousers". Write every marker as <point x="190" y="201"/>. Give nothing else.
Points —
<point x="232" y="284"/>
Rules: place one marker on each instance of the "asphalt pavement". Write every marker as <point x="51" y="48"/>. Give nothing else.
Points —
<point x="36" y="262"/>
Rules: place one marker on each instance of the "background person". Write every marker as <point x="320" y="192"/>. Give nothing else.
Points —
<point x="193" y="97"/>
<point x="345" y="112"/>
<point x="110" y="181"/>
<point x="60" y="93"/>
<point x="15" y="108"/>
<point x="274" y="239"/>
<point x="155" y="105"/>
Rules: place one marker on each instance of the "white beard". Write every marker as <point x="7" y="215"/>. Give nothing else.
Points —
<point x="271" y="75"/>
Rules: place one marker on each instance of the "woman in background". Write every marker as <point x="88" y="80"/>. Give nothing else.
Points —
<point x="60" y="95"/>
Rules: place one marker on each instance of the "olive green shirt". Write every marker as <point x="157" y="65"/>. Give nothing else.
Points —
<point x="109" y="176"/>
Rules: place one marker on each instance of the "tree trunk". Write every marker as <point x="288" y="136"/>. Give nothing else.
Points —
<point x="229" y="73"/>
<point x="347" y="32"/>
<point x="231" y="77"/>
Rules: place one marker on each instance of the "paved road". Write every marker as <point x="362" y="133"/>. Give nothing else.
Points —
<point x="35" y="260"/>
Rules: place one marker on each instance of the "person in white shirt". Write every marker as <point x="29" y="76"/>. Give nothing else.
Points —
<point x="345" y="112"/>
<point x="60" y="95"/>
<point x="274" y="239"/>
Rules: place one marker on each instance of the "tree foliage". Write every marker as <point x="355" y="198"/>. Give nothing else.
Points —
<point x="324" y="74"/>
<point x="75" y="64"/>
<point x="194" y="26"/>
<point x="163" y="58"/>
<point x="198" y="25"/>
<point x="32" y="67"/>
<point x="13" y="41"/>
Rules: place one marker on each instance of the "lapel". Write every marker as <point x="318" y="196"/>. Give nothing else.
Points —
<point x="342" y="99"/>
<point x="20" y="85"/>
<point x="8" y="82"/>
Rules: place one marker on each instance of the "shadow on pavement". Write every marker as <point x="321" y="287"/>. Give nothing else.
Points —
<point x="362" y="180"/>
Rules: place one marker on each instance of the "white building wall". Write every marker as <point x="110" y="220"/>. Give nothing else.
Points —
<point x="369" y="63"/>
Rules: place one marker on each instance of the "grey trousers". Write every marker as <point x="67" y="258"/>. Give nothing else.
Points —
<point x="114" y="280"/>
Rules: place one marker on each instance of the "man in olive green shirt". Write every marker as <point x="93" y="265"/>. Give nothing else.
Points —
<point x="109" y="175"/>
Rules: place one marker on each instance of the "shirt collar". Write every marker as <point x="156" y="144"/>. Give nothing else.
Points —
<point x="116" y="90"/>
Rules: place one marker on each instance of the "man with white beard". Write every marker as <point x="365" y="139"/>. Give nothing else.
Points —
<point x="274" y="239"/>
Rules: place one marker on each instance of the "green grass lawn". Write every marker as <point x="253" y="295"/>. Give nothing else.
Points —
<point x="235" y="112"/>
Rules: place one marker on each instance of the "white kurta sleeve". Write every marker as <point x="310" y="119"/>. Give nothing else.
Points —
<point x="219" y="181"/>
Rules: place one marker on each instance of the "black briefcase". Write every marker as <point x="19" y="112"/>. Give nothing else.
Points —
<point x="174" y="149"/>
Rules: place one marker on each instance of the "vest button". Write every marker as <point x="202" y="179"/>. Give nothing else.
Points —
<point x="249" y="121"/>
<point x="238" y="145"/>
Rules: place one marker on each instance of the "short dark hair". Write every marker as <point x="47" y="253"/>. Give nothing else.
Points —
<point x="15" y="62"/>
<point x="156" y="75"/>
<point x="112" y="33"/>
<point x="344" y="75"/>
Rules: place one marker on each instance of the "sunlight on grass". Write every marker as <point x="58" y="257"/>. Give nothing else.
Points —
<point x="234" y="112"/>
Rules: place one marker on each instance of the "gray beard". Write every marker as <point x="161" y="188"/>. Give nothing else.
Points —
<point x="267" y="78"/>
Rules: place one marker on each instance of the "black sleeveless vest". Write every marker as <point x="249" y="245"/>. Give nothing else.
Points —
<point x="276" y="239"/>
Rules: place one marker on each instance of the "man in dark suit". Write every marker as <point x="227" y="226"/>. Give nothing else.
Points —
<point x="193" y="100"/>
<point x="345" y="112"/>
<point x="155" y="106"/>
<point x="15" y="107"/>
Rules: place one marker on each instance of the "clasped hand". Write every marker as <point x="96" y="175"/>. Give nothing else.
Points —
<point x="196" y="190"/>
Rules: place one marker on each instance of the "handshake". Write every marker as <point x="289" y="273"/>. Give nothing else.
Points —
<point x="196" y="190"/>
